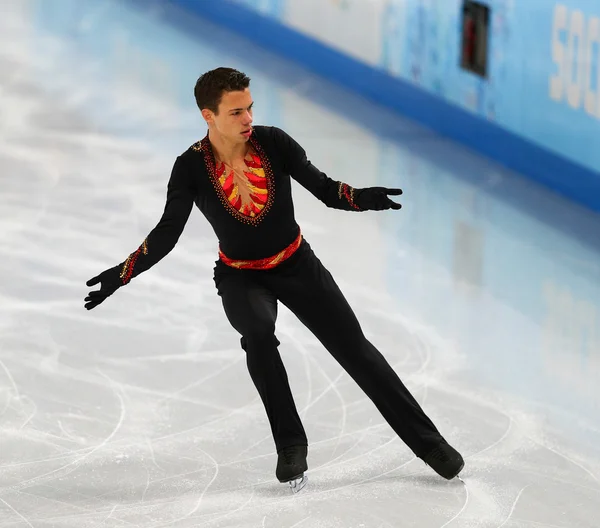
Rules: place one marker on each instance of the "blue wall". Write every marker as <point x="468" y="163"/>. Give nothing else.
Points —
<point x="538" y="112"/>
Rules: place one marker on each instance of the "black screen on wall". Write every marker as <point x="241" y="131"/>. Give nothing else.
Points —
<point x="475" y="30"/>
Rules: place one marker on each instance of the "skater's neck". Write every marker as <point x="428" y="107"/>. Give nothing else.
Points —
<point x="226" y="150"/>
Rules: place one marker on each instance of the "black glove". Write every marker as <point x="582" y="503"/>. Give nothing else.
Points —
<point x="110" y="282"/>
<point x="375" y="198"/>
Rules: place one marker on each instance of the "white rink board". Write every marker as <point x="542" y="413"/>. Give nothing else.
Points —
<point x="351" y="26"/>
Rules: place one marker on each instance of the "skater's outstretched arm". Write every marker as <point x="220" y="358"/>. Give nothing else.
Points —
<point x="334" y="194"/>
<point x="159" y="242"/>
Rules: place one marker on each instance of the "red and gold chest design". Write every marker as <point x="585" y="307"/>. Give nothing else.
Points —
<point x="247" y="192"/>
<point x="247" y="196"/>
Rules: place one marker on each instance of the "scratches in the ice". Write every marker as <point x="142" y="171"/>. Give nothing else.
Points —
<point x="18" y="397"/>
<point x="10" y="378"/>
<point x="232" y="512"/>
<point x="300" y="522"/>
<point x="69" y="454"/>
<point x="31" y="415"/>
<point x="111" y="512"/>
<point x="14" y="386"/>
<point x="497" y="442"/>
<point x="324" y="392"/>
<point x="368" y="479"/>
<point x="118" y="391"/>
<point x="6" y="404"/>
<point x="50" y="362"/>
<point x="216" y="468"/>
<point x="361" y="512"/>
<point x="213" y="374"/>
<point x="65" y="432"/>
<point x="222" y="418"/>
<point x="514" y="505"/>
<point x="332" y="385"/>
<point x="16" y="512"/>
<point x="152" y="454"/>
<point x="570" y="460"/>
<point x="199" y="500"/>
<point x="147" y="484"/>
<point x="425" y="346"/>
<point x="73" y="465"/>
<point x="309" y="388"/>
<point x="464" y="505"/>
<point x="331" y="463"/>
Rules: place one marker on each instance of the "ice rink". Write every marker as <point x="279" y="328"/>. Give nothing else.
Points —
<point x="483" y="292"/>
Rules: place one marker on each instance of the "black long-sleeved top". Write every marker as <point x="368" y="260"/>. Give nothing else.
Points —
<point x="194" y="180"/>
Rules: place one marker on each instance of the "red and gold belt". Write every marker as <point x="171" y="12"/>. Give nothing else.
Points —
<point x="266" y="263"/>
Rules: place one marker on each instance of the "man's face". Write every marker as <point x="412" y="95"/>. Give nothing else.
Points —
<point x="234" y="120"/>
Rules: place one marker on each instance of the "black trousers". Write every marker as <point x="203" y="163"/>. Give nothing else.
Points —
<point x="304" y="285"/>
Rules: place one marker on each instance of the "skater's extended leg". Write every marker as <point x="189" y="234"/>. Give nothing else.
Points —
<point x="252" y="311"/>
<point x="311" y="293"/>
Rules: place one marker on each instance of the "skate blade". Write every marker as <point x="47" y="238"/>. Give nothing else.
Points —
<point x="298" y="484"/>
<point x="456" y="475"/>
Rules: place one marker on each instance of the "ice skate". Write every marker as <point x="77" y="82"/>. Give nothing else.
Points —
<point x="291" y="465"/>
<point x="445" y="460"/>
<point x="298" y="484"/>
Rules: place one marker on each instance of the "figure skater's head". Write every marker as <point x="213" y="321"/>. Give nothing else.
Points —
<point x="224" y="99"/>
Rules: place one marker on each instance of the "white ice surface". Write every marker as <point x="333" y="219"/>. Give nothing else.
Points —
<point x="141" y="412"/>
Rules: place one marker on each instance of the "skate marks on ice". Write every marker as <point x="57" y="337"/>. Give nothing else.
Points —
<point x="127" y="450"/>
<point x="179" y="447"/>
<point x="330" y="491"/>
<point x="514" y="467"/>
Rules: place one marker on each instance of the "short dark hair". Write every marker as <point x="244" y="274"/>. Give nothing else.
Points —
<point x="211" y="85"/>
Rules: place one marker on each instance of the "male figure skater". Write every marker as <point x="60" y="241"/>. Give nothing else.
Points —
<point x="239" y="177"/>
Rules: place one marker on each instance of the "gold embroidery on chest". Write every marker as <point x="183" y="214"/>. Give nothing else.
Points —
<point x="246" y="191"/>
<point x="248" y="198"/>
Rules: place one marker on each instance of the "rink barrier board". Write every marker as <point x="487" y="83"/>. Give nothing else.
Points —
<point x="569" y="179"/>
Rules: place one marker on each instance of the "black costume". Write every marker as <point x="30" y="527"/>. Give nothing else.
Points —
<point x="264" y="259"/>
